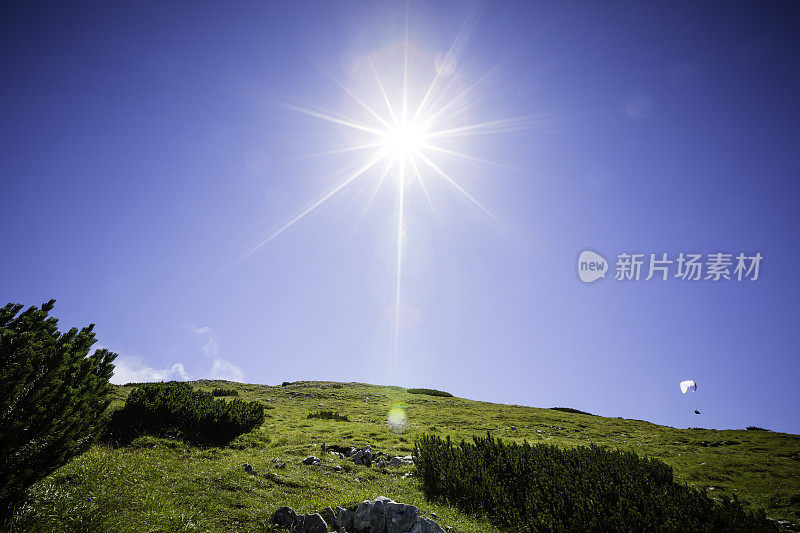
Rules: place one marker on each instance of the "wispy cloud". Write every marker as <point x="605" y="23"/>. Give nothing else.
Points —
<point x="200" y="330"/>
<point x="210" y="348"/>
<point x="222" y="369"/>
<point x="131" y="369"/>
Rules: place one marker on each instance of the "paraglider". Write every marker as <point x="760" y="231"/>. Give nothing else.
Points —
<point x="689" y="385"/>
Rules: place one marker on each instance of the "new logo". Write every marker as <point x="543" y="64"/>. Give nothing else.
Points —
<point x="591" y="266"/>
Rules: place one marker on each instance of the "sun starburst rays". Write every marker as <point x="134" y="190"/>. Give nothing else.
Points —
<point x="406" y="137"/>
<point x="404" y="134"/>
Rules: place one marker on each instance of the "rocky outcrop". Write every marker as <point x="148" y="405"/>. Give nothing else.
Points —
<point x="400" y="461"/>
<point x="363" y="457"/>
<point x="381" y="515"/>
<point x="287" y="518"/>
<point x="284" y="517"/>
<point x="344" y="519"/>
<point x="366" y="456"/>
<point x="310" y="523"/>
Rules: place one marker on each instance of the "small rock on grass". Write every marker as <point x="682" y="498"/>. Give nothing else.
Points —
<point x="284" y="517"/>
<point x="310" y="523"/>
<point x="328" y="514"/>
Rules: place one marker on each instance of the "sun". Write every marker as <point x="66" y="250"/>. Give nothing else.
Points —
<point x="406" y="128"/>
<point x="403" y="139"/>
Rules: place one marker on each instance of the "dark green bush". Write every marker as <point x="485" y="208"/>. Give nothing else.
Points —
<point x="177" y="410"/>
<point x="570" y="410"/>
<point x="431" y="392"/>
<point x="52" y="396"/>
<point x="755" y="428"/>
<point x="524" y="488"/>
<point x="329" y="415"/>
<point x="225" y="392"/>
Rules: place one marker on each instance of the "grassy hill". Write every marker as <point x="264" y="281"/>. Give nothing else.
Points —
<point x="165" y="485"/>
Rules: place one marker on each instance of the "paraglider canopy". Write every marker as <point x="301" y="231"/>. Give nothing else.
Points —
<point x="688" y="385"/>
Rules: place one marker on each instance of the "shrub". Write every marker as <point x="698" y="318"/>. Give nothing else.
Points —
<point x="431" y="392"/>
<point x="225" y="392"/>
<point x="177" y="410"/>
<point x="755" y="428"/>
<point x="570" y="410"/>
<point x="524" y="488"/>
<point x="329" y="415"/>
<point x="52" y="397"/>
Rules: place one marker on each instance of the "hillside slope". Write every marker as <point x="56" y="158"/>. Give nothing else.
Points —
<point x="160" y="484"/>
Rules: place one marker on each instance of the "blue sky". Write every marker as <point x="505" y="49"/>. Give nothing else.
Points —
<point x="147" y="148"/>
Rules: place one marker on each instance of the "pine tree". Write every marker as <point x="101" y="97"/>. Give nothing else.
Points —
<point x="52" y="397"/>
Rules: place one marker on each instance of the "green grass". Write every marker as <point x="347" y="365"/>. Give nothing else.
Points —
<point x="225" y="392"/>
<point x="164" y="485"/>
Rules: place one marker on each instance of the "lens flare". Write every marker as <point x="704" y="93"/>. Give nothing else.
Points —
<point x="397" y="416"/>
